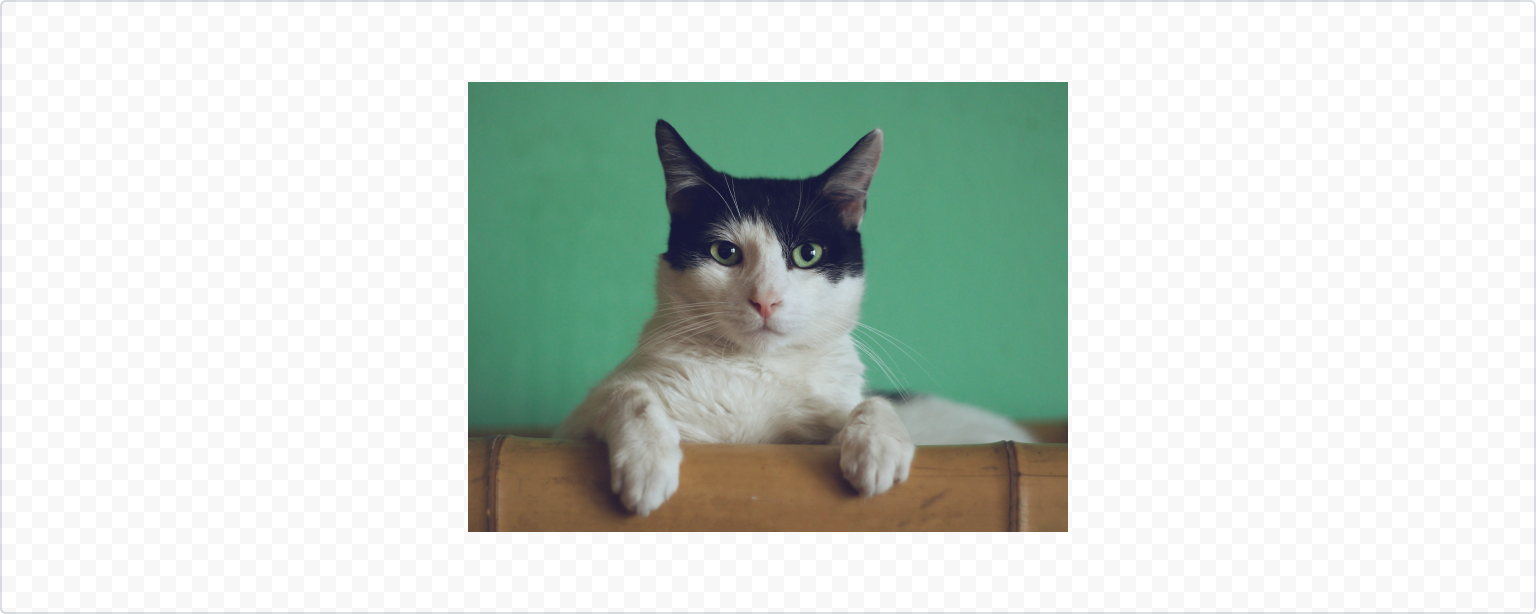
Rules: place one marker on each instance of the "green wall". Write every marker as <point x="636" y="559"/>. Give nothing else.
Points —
<point x="965" y="237"/>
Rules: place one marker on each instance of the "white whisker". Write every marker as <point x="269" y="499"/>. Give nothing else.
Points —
<point x="899" y="343"/>
<point x="887" y="336"/>
<point x="799" y="200"/>
<point x="731" y="185"/>
<point x="890" y="368"/>
<point x="673" y="333"/>
<point x="667" y="331"/>
<point x="717" y="193"/>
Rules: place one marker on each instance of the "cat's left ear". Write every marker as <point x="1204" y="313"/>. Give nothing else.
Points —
<point x="847" y="182"/>
<point x="683" y="168"/>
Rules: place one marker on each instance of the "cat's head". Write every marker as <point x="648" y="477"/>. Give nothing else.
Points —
<point x="764" y="263"/>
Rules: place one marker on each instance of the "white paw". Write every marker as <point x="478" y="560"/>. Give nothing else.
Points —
<point x="873" y="460"/>
<point x="644" y="476"/>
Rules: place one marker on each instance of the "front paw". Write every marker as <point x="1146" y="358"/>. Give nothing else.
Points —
<point x="873" y="461"/>
<point x="644" y="476"/>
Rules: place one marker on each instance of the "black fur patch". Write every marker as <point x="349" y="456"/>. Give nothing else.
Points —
<point x="894" y="396"/>
<point x="796" y="210"/>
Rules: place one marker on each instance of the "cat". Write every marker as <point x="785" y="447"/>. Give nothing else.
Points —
<point x="757" y="296"/>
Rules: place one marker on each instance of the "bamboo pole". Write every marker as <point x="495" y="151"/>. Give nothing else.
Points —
<point x="526" y="484"/>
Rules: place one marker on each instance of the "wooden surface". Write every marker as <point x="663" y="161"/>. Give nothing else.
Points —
<point x="526" y="484"/>
<point x="1044" y="431"/>
<point x="479" y="468"/>
<point x="1041" y="486"/>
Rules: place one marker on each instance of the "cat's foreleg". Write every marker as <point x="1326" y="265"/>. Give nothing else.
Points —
<point x="876" y="451"/>
<point x="644" y="448"/>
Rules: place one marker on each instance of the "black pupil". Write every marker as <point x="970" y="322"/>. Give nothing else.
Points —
<point x="727" y="250"/>
<point x="807" y="252"/>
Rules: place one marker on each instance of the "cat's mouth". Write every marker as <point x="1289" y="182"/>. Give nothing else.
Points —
<point x="765" y="329"/>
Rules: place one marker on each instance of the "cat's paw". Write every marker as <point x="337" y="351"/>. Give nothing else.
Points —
<point x="873" y="460"/>
<point x="645" y="476"/>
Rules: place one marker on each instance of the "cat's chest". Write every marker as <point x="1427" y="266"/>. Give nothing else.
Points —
<point x="747" y="385"/>
<point x="754" y="400"/>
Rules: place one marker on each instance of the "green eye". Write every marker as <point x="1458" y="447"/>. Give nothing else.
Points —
<point x="725" y="252"/>
<point x="807" y="254"/>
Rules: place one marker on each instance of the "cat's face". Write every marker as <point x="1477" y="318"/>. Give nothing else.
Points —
<point x="763" y="263"/>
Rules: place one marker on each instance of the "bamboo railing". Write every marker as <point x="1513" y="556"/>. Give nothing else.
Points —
<point x="536" y="484"/>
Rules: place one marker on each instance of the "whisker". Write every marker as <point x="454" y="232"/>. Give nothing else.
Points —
<point x="800" y="199"/>
<point x="717" y="193"/>
<point x="898" y="344"/>
<point x="864" y="349"/>
<point x="683" y="308"/>
<point x="892" y="338"/>
<point x="731" y="185"/>
<point x="690" y="328"/>
<point x="890" y="369"/>
<point x="670" y="323"/>
<point x="672" y="334"/>
<point x="666" y="331"/>
<point x="812" y="212"/>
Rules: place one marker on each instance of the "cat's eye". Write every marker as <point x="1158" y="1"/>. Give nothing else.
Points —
<point x="725" y="252"/>
<point x="807" y="255"/>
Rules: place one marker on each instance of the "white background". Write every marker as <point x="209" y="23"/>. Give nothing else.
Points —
<point x="233" y="302"/>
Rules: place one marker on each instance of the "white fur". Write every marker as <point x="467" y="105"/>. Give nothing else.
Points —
<point x="935" y="421"/>
<point x="710" y="369"/>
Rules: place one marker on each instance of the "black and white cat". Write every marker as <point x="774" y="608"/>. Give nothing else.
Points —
<point x="757" y="296"/>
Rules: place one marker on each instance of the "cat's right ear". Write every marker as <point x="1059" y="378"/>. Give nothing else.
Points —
<point x="847" y="182"/>
<point x="683" y="168"/>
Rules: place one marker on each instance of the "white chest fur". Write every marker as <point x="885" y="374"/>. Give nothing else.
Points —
<point x="794" y="395"/>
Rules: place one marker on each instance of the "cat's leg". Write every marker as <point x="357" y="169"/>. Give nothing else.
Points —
<point x="644" y="449"/>
<point x="876" y="451"/>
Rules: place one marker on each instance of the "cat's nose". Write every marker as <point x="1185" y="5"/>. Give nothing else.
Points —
<point x="765" y="304"/>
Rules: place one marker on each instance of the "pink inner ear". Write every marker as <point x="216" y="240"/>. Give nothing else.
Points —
<point x="849" y="178"/>
<point x="852" y="213"/>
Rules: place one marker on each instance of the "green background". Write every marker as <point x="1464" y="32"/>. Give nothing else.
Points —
<point x="965" y="236"/>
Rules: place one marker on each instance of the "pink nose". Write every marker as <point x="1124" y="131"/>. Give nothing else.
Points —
<point x="765" y="304"/>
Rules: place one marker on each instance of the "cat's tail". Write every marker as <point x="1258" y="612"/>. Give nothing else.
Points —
<point x="939" y="421"/>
